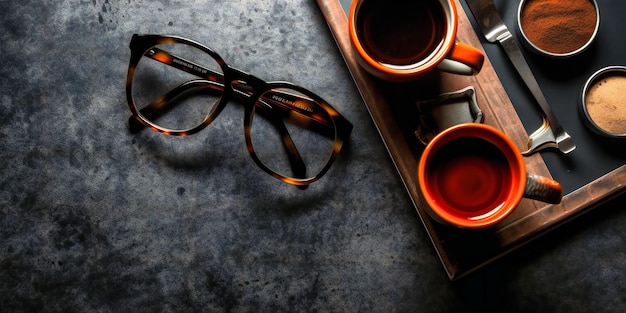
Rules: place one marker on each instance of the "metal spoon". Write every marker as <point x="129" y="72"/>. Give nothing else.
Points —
<point x="550" y="134"/>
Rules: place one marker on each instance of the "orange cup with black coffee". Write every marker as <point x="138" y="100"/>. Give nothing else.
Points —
<point x="473" y="176"/>
<point x="403" y="40"/>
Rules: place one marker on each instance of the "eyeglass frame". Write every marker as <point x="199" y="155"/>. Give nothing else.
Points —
<point x="141" y="44"/>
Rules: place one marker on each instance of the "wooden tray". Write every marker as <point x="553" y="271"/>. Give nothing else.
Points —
<point x="392" y="108"/>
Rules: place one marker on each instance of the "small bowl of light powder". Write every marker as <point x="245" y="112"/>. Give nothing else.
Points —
<point x="603" y="107"/>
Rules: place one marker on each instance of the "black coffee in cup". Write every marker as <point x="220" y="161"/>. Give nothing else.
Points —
<point x="401" y="32"/>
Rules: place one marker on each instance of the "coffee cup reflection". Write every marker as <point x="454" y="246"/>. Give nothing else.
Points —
<point x="473" y="176"/>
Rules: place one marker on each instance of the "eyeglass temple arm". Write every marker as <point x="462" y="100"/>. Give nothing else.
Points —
<point x="282" y="101"/>
<point x="162" y="104"/>
<point x="298" y="166"/>
<point x="264" y="107"/>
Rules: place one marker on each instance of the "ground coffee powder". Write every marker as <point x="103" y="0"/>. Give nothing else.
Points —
<point x="558" y="26"/>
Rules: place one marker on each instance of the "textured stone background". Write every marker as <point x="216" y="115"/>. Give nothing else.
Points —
<point x="94" y="218"/>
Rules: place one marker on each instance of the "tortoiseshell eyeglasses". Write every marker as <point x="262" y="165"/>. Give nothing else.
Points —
<point x="177" y="86"/>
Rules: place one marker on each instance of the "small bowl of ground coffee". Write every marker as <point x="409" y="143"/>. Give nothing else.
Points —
<point x="558" y="28"/>
<point x="603" y="102"/>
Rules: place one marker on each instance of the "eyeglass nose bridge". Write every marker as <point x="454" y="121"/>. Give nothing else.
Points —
<point x="244" y="86"/>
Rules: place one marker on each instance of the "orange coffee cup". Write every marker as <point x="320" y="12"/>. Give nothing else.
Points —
<point x="403" y="40"/>
<point x="473" y="176"/>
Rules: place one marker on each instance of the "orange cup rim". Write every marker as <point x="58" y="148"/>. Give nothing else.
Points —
<point x="446" y="46"/>
<point x="501" y="141"/>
